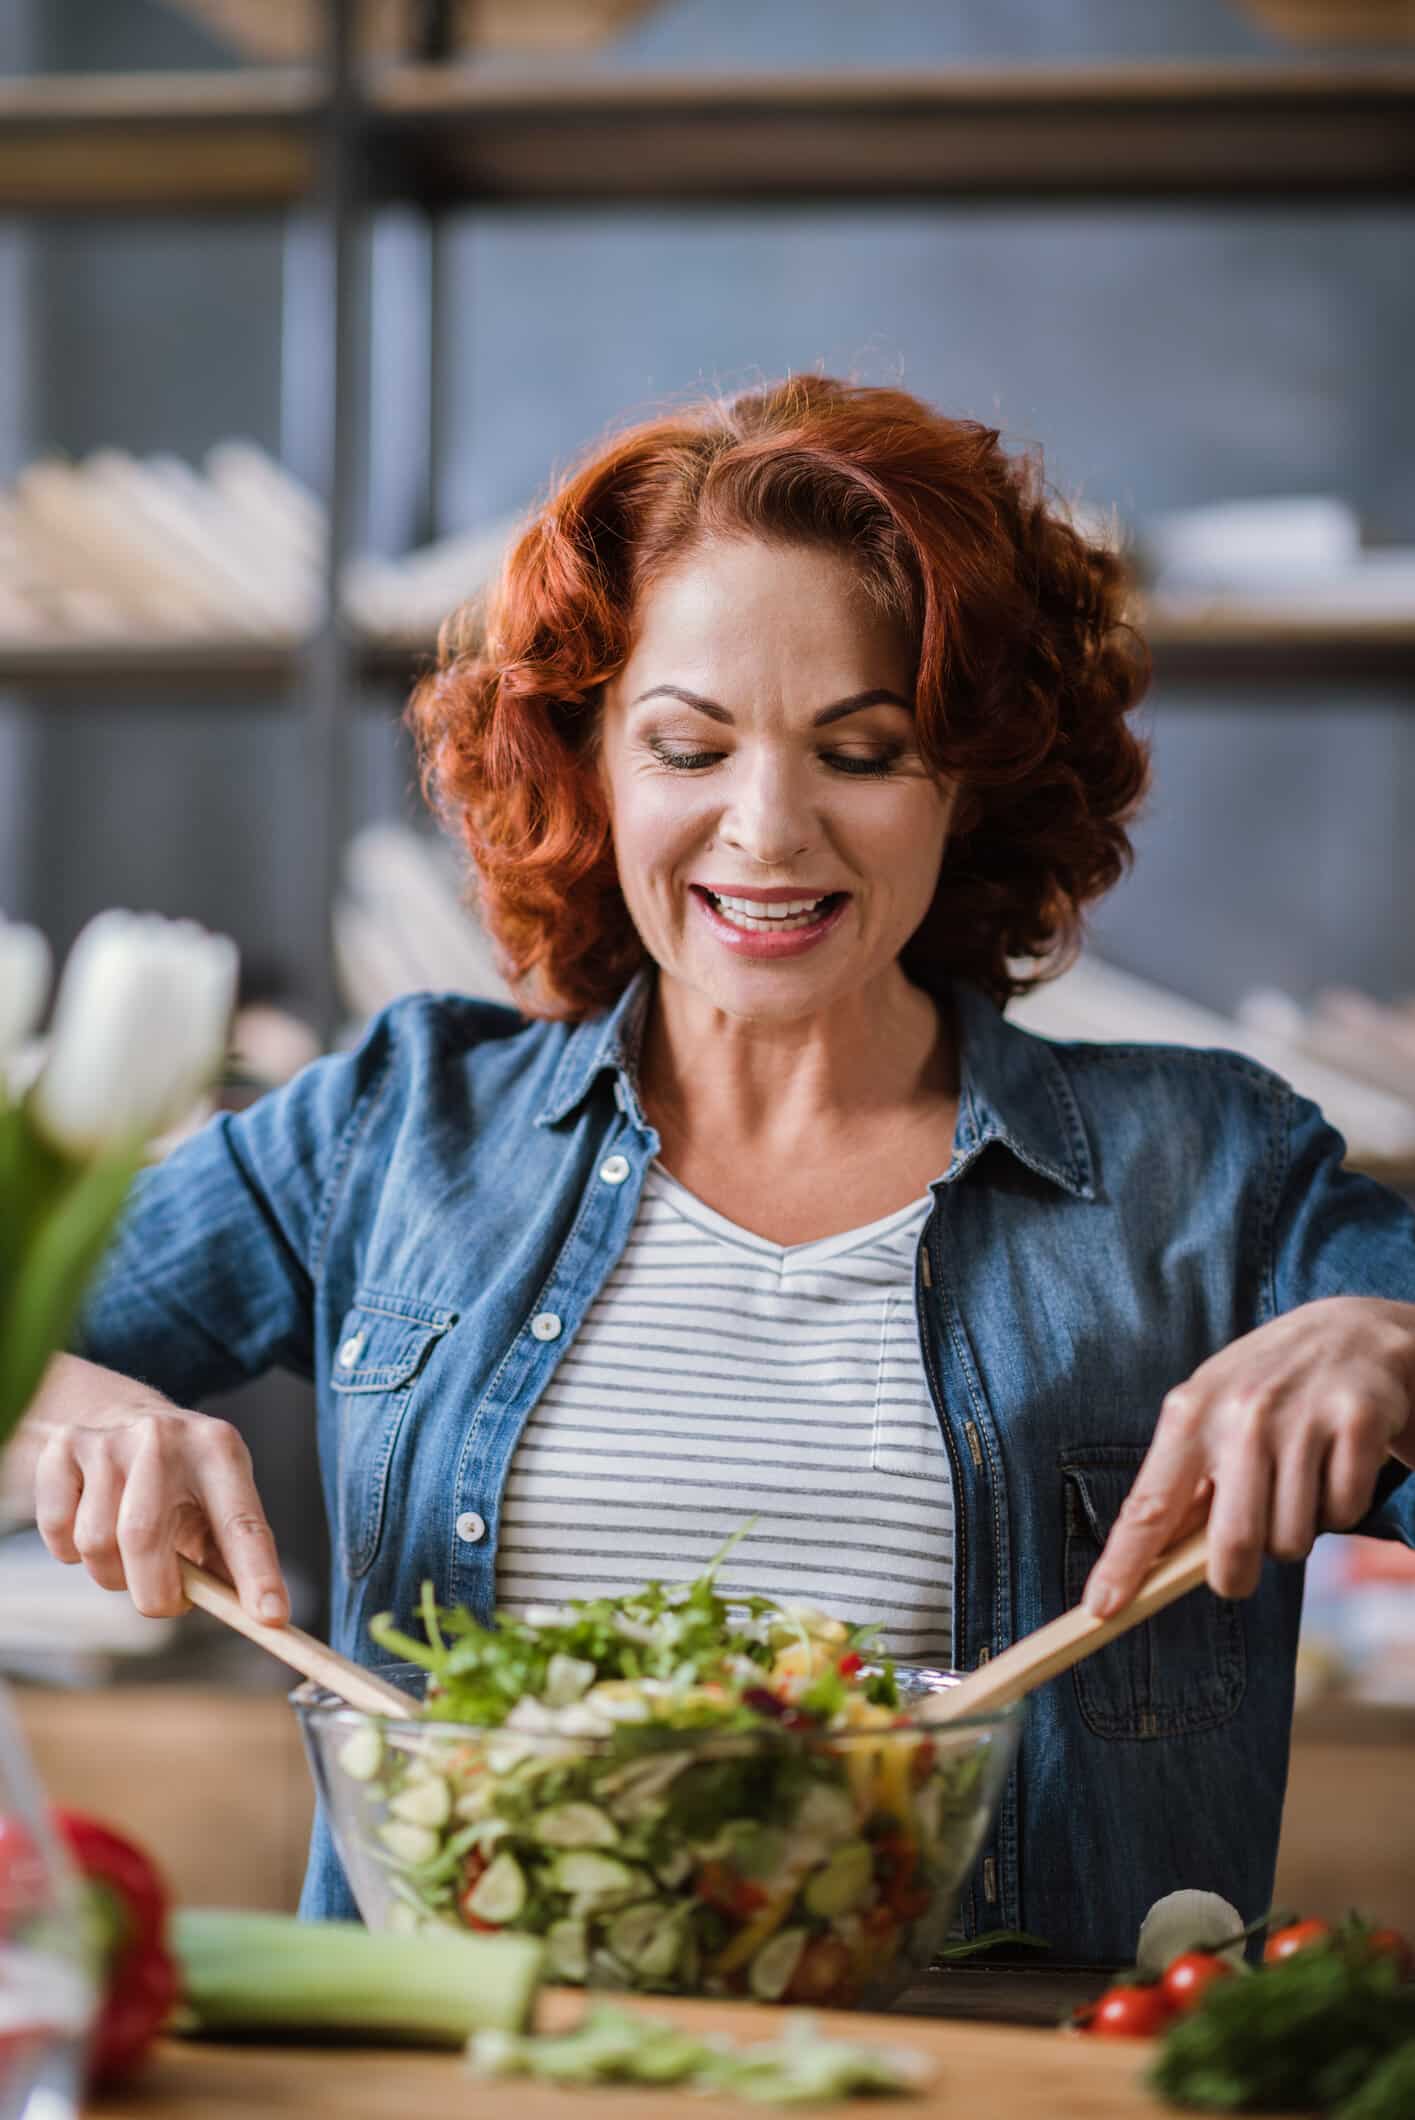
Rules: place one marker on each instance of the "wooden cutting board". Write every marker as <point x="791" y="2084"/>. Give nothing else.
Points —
<point x="980" y="2070"/>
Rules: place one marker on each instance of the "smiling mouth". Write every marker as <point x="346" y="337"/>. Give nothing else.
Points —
<point x="756" y="916"/>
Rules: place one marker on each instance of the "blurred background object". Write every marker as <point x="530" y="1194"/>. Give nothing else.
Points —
<point x="1336" y="21"/>
<point x="285" y="30"/>
<point x="302" y="307"/>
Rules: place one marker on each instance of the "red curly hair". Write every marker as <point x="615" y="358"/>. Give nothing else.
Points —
<point x="1025" y="672"/>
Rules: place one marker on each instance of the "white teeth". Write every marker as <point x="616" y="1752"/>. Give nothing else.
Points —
<point x="753" y="909"/>
<point x="751" y="914"/>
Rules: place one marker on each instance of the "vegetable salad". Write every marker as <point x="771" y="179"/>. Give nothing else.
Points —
<point x="676" y="1793"/>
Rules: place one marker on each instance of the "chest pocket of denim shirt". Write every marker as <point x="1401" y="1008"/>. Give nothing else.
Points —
<point x="384" y="1344"/>
<point x="1185" y="1669"/>
<point x="906" y="1439"/>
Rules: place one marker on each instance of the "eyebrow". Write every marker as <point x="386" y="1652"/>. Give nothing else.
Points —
<point x="857" y="701"/>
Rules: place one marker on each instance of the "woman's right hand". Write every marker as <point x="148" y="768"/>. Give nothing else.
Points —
<point x="130" y="1485"/>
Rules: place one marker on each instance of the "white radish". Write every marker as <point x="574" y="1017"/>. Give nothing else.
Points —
<point x="1186" y="1921"/>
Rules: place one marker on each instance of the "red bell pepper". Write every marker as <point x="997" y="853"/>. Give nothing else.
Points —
<point x="128" y="1908"/>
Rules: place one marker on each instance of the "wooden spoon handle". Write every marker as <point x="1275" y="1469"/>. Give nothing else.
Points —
<point x="1063" y="1642"/>
<point x="316" y="1660"/>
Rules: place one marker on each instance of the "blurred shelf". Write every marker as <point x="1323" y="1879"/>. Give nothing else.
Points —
<point x="1253" y="648"/>
<point x="1338" y="1718"/>
<point x="87" y="672"/>
<point x="1120" y="132"/>
<point x="465" y="135"/>
<point x="1187" y="654"/>
<point x="174" y="142"/>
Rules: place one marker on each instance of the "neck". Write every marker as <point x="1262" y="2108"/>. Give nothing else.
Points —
<point x="885" y="1049"/>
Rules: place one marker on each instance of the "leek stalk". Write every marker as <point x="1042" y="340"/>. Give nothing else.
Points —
<point x="252" y="1972"/>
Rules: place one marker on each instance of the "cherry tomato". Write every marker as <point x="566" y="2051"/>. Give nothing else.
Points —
<point x="1189" y="1977"/>
<point x="1389" y="1943"/>
<point x="1297" y="1936"/>
<point x="1128" y="2013"/>
<point x="850" y="1663"/>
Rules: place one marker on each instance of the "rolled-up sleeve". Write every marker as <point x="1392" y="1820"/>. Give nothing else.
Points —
<point x="211" y="1278"/>
<point x="1338" y="1233"/>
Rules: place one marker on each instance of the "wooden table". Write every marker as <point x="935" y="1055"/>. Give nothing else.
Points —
<point x="982" y="2069"/>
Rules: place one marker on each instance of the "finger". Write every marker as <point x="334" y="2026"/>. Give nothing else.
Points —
<point x="155" y="1504"/>
<point x="58" y="1487"/>
<point x="96" y="1522"/>
<point x="1296" y="1495"/>
<point x="1239" y="1518"/>
<point x="239" y="1527"/>
<point x="1352" y="1466"/>
<point x="1150" y="1517"/>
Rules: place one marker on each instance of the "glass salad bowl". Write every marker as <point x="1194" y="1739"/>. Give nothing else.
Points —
<point x="806" y="1866"/>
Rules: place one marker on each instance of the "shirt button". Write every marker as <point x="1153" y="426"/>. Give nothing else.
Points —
<point x="615" y="1170"/>
<point x="545" y="1325"/>
<point x="351" y="1349"/>
<point x="471" y="1527"/>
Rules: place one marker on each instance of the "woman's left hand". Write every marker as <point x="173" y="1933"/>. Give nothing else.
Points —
<point x="1281" y="1435"/>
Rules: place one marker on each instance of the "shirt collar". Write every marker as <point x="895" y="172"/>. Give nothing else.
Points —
<point x="1013" y="1088"/>
<point x="603" y="1043"/>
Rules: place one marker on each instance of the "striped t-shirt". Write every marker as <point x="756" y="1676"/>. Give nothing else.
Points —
<point x="718" y="1377"/>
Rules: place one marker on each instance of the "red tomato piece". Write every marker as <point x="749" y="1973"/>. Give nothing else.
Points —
<point x="722" y="1888"/>
<point x="473" y="1869"/>
<point x="822" y="1970"/>
<point x="850" y="1663"/>
<point x="24" y="1881"/>
<point x="1188" y="1978"/>
<point x="1297" y="1936"/>
<point x="1128" y="2013"/>
<point x="1389" y="1943"/>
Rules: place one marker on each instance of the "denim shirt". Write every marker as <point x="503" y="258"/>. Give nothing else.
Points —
<point x="421" y="1225"/>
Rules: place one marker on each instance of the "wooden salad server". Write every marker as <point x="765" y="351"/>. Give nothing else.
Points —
<point x="360" y="1688"/>
<point x="1063" y="1642"/>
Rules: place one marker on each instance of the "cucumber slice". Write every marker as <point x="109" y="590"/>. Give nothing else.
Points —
<point x="827" y="1810"/>
<point x="361" y="1755"/>
<point x="775" y="1963"/>
<point x="590" y="1876"/>
<point x="426" y="1801"/>
<point x="500" y="1892"/>
<point x="478" y="1800"/>
<point x="567" y="1950"/>
<point x="575" y="1825"/>
<point x="647" y="1938"/>
<point x="566" y="1678"/>
<point x="409" y="1843"/>
<point x="844" y="1882"/>
<point x="675" y="1868"/>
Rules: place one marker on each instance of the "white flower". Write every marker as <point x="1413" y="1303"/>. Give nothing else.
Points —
<point x="24" y="983"/>
<point x="140" y="1027"/>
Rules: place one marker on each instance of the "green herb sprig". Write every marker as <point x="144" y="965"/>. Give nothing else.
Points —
<point x="1306" y="2035"/>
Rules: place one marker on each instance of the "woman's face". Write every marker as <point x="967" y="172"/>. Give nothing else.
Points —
<point x="778" y="837"/>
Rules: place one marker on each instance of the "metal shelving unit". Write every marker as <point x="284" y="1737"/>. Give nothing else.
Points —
<point x="336" y="140"/>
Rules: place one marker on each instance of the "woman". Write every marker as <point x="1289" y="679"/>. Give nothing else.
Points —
<point x="794" y="723"/>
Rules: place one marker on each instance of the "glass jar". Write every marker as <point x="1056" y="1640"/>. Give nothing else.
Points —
<point x="48" y="1996"/>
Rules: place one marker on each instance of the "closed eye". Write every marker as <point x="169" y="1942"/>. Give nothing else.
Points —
<point x="851" y="763"/>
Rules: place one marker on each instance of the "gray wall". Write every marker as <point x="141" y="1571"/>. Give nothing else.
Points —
<point x="1162" y="357"/>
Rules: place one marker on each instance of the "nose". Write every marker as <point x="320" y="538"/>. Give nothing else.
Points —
<point x="768" y="819"/>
